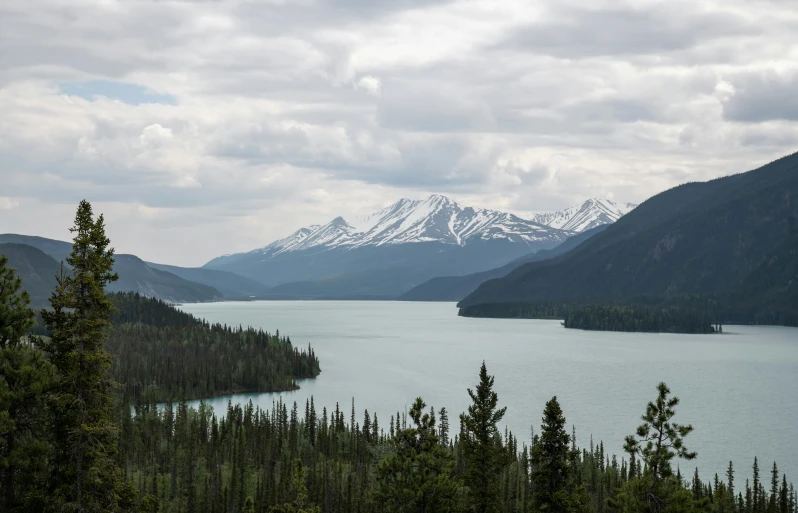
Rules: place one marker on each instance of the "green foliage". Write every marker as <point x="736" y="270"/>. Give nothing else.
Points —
<point x="658" y="441"/>
<point x="481" y="445"/>
<point x="553" y="478"/>
<point x="418" y="476"/>
<point x="164" y="354"/>
<point x="689" y="314"/>
<point x="300" y="502"/>
<point x="24" y="378"/>
<point x="625" y="318"/>
<point x="85" y="476"/>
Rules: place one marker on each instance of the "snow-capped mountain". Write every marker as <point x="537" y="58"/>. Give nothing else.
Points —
<point x="384" y="254"/>
<point x="435" y="219"/>
<point x="593" y="212"/>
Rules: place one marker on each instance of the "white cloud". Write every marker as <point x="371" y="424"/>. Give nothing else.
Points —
<point x="371" y="85"/>
<point x="292" y="112"/>
<point x="8" y="203"/>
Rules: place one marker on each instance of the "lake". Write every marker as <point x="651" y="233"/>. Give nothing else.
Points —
<point x="738" y="389"/>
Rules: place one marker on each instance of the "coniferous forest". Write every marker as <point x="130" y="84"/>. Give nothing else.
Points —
<point x="70" y="440"/>
<point x="682" y="314"/>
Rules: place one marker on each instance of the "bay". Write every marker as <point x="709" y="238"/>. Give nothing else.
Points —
<point x="738" y="389"/>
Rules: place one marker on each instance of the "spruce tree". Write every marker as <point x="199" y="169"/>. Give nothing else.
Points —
<point x="25" y="377"/>
<point x="444" y="429"/>
<point x="418" y="476"/>
<point x="85" y="476"/>
<point x="552" y="477"/>
<point x="481" y="444"/>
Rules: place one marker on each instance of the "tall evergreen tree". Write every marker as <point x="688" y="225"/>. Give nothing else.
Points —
<point x="481" y="443"/>
<point x="85" y="476"/>
<point x="25" y="376"/>
<point x="658" y="442"/>
<point x="552" y="479"/>
<point x="418" y="476"/>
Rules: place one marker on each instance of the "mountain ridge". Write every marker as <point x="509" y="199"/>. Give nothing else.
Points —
<point x="455" y="288"/>
<point x="697" y="238"/>
<point x="388" y="252"/>
<point x="39" y="258"/>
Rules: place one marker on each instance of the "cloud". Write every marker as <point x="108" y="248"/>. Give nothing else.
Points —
<point x="577" y="31"/>
<point x="236" y="122"/>
<point x="8" y="203"/>
<point x="371" y="85"/>
<point x="762" y="96"/>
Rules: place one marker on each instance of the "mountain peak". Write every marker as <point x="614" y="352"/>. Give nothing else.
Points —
<point x="438" y="218"/>
<point x="591" y="213"/>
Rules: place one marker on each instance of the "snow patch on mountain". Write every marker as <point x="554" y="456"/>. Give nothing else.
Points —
<point x="440" y="219"/>
<point x="435" y="219"/>
<point x="593" y="212"/>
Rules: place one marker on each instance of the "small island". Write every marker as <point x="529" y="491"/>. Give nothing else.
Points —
<point x="638" y="319"/>
<point x="603" y="317"/>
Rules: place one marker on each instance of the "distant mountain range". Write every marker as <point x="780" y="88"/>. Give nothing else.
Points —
<point x="734" y="237"/>
<point x="590" y="214"/>
<point x="455" y="288"/>
<point x="37" y="261"/>
<point x="379" y="256"/>
<point x="387" y="253"/>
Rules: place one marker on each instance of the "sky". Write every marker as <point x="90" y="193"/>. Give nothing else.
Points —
<point x="208" y="127"/>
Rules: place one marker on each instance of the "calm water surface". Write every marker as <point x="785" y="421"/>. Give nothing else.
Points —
<point x="738" y="389"/>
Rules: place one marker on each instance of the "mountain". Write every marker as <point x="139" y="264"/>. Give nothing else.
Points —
<point x="230" y="285"/>
<point x="387" y="253"/>
<point x="37" y="270"/>
<point x="134" y="274"/>
<point x="715" y="237"/>
<point x="455" y="288"/>
<point x="593" y="212"/>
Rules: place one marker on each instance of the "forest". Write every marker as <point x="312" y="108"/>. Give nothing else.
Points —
<point x="164" y="354"/>
<point x="637" y="319"/>
<point x="684" y="313"/>
<point x="70" y="441"/>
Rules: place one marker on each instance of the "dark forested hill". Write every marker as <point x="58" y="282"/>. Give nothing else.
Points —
<point x="455" y="288"/>
<point x="41" y="259"/>
<point x="732" y="236"/>
<point x="161" y="353"/>
<point x="36" y="269"/>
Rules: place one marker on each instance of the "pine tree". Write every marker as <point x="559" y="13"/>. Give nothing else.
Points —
<point x="756" y="505"/>
<point x="444" y="429"/>
<point x="730" y="487"/>
<point x="658" y="442"/>
<point x="551" y="461"/>
<point x="25" y="377"/>
<point x="85" y="476"/>
<point x="481" y="443"/>
<point x="774" y="489"/>
<point x="418" y="476"/>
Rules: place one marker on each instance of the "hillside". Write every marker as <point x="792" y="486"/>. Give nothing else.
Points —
<point x="698" y="238"/>
<point x="230" y="285"/>
<point x="134" y="274"/>
<point x="37" y="270"/>
<point x="455" y="288"/>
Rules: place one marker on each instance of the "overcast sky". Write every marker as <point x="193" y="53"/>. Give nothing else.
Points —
<point x="208" y="127"/>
